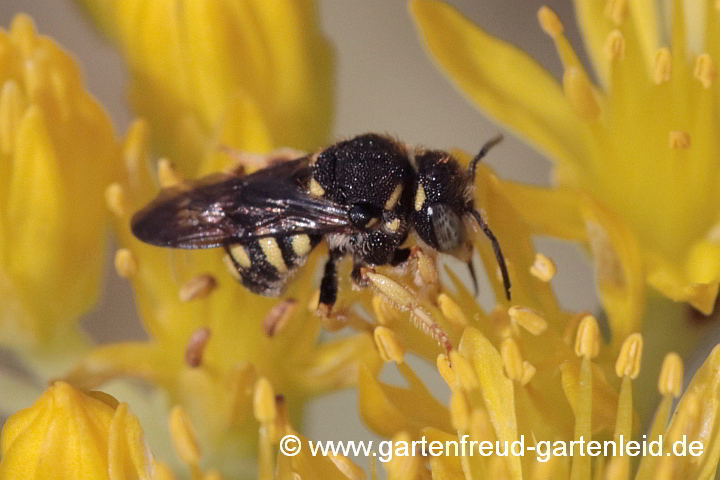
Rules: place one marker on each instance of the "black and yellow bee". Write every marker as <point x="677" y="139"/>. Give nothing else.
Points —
<point x="363" y="196"/>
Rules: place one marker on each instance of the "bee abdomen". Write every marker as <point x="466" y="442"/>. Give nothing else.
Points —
<point x="265" y="265"/>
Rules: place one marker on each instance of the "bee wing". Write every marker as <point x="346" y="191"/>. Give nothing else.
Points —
<point x="226" y="209"/>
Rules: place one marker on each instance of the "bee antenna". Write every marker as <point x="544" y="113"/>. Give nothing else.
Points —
<point x="496" y="248"/>
<point x="483" y="151"/>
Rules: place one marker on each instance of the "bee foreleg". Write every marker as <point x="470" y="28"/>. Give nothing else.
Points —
<point x="400" y="256"/>
<point x="329" y="283"/>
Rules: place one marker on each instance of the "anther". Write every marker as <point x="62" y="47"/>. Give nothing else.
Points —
<point x="197" y="287"/>
<point x="616" y="10"/>
<point x="168" y="176"/>
<point x="662" y="66"/>
<point x="579" y="93"/>
<point x="125" y="263"/>
<point x="459" y="410"/>
<point x="278" y="316"/>
<point x="445" y="370"/>
<point x="390" y="348"/>
<point x="543" y="268"/>
<point x="549" y="22"/>
<point x="528" y="319"/>
<point x="264" y="407"/>
<point x="22" y="32"/>
<point x="512" y="360"/>
<point x="529" y="371"/>
<point x="425" y="267"/>
<point x="587" y="341"/>
<point x="670" y="381"/>
<point x="464" y="371"/>
<point x="183" y="436"/>
<point x="452" y="310"/>
<point x="615" y="46"/>
<point x="705" y="70"/>
<point x="628" y="361"/>
<point x="679" y="140"/>
<point x="116" y="200"/>
<point x="195" y="349"/>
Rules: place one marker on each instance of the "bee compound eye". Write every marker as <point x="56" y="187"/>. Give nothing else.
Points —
<point x="447" y="227"/>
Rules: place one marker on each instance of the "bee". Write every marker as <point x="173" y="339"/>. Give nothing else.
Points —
<point x="362" y="196"/>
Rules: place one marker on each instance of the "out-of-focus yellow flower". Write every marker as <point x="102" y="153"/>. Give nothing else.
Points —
<point x="636" y="157"/>
<point x="210" y="337"/>
<point x="217" y="72"/>
<point x="71" y="434"/>
<point x="57" y="151"/>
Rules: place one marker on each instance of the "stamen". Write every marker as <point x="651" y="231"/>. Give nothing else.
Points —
<point x="705" y="70"/>
<point x="183" y="436"/>
<point x="278" y="316"/>
<point x="580" y="94"/>
<point x="116" y="200"/>
<point x="459" y="410"/>
<point x="543" y="268"/>
<point x="390" y="348"/>
<point x="12" y="107"/>
<point x="425" y="267"/>
<point x="346" y="466"/>
<point x="512" y="360"/>
<point x="464" y="371"/>
<point x="481" y="428"/>
<point x="662" y="68"/>
<point x="587" y="341"/>
<point x="679" y="140"/>
<point x="197" y="287"/>
<point x="168" y="176"/>
<point x="618" y="468"/>
<point x="401" y="467"/>
<point x="125" y="263"/>
<point x="445" y="370"/>
<point x="196" y="347"/>
<point x="452" y="310"/>
<point x="615" y="46"/>
<point x="628" y="362"/>
<point x="529" y="371"/>
<point x="314" y="301"/>
<point x="670" y="381"/>
<point x="528" y="319"/>
<point x="616" y="10"/>
<point x="264" y="407"/>
<point x="549" y="22"/>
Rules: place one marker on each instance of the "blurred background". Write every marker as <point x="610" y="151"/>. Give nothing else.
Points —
<point x="384" y="83"/>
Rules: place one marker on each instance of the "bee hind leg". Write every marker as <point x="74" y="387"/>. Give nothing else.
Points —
<point x="329" y="284"/>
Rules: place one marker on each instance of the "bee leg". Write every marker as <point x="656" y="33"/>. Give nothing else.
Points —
<point x="329" y="284"/>
<point x="400" y="256"/>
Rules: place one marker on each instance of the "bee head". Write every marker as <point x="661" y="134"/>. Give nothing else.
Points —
<point x="442" y="198"/>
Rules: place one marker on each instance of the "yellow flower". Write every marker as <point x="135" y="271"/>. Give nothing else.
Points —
<point x="57" y="151"/>
<point x="216" y="72"/>
<point x="520" y="375"/>
<point x="210" y="338"/>
<point x="71" y="434"/>
<point x="636" y="157"/>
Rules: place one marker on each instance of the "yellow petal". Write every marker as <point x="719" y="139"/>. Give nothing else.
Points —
<point x="618" y="269"/>
<point x="503" y="81"/>
<point x="547" y="211"/>
<point x="388" y="410"/>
